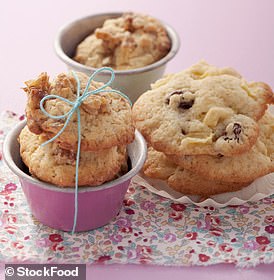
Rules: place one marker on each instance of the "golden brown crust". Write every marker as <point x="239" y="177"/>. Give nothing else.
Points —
<point x="54" y="165"/>
<point x="187" y="182"/>
<point x="159" y="166"/>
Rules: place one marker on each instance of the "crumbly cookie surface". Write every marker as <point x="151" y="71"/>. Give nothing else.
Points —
<point x="54" y="165"/>
<point x="202" y="110"/>
<point x="128" y="42"/>
<point x="159" y="166"/>
<point x="105" y="117"/>
<point x="248" y="166"/>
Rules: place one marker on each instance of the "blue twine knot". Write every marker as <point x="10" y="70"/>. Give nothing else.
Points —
<point x="75" y="107"/>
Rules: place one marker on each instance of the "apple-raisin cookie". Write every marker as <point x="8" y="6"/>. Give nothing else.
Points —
<point x="202" y="110"/>
<point x="159" y="166"/>
<point x="248" y="166"/>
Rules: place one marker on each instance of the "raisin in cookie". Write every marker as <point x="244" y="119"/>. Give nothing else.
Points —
<point x="128" y="42"/>
<point x="248" y="166"/>
<point x="54" y="165"/>
<point x="202" y="110"/>
<point x="105" y="117"/>
<point x="159" y="166"/>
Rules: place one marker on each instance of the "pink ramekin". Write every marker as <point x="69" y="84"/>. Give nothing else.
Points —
<point x="54" y="206"/>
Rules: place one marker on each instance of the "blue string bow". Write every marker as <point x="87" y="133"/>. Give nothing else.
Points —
<point x="75" y="107"/>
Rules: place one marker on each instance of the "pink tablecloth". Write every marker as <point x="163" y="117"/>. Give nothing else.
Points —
<point x="148" y="230"/>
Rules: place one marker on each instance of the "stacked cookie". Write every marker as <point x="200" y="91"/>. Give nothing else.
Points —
<point x="208" y="130"/>
<point x="106" y="129"/>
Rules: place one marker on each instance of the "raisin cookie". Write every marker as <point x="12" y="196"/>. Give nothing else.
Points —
<point x="105" y="117"/>
<point x="128" y="42"/>
<point x="159" y="166"/>
<point x="248" y="166"/>
<point x="202" y="110"/>
<point x="54" y="165"/>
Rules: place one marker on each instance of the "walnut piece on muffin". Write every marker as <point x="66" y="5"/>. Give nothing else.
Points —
<point x="127" y="42"/>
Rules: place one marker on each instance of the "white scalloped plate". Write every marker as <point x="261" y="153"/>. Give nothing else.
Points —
<point x="260" y="188"/>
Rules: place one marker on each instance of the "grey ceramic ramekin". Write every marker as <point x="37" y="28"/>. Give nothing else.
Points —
<point x="131" y="82"/>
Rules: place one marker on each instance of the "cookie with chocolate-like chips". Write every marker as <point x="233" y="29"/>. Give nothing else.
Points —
<point x="202" y="110"/>
<point x="256" y="162"/>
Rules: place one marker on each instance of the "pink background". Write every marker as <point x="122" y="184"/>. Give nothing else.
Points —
<point x="237" y="33"/>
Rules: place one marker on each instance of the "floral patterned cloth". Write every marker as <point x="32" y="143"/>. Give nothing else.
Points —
<point x="148" y="230"/>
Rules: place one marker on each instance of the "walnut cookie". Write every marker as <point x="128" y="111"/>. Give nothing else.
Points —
<point x="202" y="110"/>
<point x="128" y="42"/>
<point x="105" y="117"/>
<point x="54" y="165"/>
<point x="248" y="166"/>
<point x="159" y="166"/>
